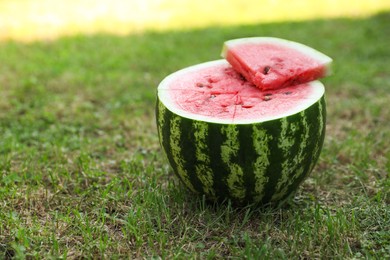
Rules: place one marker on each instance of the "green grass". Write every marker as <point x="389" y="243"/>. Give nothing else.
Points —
<point x="82" y="173"/>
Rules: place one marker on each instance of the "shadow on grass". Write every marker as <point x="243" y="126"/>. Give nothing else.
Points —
<point x="77" y="130"/>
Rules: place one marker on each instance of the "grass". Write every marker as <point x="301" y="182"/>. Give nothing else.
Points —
<point x="82" y="174"/>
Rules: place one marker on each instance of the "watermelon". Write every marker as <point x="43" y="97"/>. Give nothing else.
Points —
<point x="272" y="63"/>
<point x="227" y="139"/>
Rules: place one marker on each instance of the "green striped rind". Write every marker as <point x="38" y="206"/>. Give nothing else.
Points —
<point x="230" y="150"/>
<point x="260" y="142"/>
<point x="202" y="167"/>
<point x="262" y="162"/>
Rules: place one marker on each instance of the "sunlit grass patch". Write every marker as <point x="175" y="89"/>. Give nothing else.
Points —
<point x="45" y="19"/>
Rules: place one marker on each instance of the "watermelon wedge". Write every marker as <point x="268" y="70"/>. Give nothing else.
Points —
<point x="273" y="63"/>
<point x="226" y="139"/>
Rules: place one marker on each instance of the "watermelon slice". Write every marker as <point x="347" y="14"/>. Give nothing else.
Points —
<point x="273" y="63"/>
<point x="215" y="92"/>
<point x="226" y="139"/>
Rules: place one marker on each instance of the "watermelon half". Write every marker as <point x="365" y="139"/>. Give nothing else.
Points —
<point x="227" y="139"/>
<point x="272" y="63"/>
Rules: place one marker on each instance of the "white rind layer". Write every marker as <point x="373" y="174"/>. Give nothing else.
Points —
<point x="313" y="53"/>
<point x="164" y="95"/>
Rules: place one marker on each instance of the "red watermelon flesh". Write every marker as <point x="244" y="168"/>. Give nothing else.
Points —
<point x="272" y="63"/>
<point x="215" y="92"/>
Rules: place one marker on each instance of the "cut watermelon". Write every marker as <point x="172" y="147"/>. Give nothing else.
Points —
<point x="273" y="63"/>
<point x="227" y="139"/>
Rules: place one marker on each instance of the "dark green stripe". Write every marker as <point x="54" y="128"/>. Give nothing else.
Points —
<point x="274" y="170"/>
<point x="317" y="112"/>
<point x="188" y="152"/>
<point x="166" y="134"/>
<point x="160" y="119"/>
<point x="215" y="141"/>
<point x="323" y="118"/>
<point x="202" y="154"/>
<point x="247" y="156"/>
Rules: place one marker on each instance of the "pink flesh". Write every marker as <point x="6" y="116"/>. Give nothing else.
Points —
<point x="270" y="66"/>
<point x="220" y="92"/>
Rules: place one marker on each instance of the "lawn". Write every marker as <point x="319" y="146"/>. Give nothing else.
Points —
<point x="82" y="173"/>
